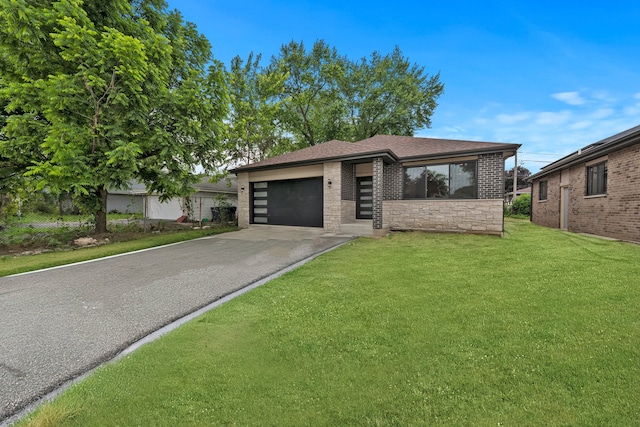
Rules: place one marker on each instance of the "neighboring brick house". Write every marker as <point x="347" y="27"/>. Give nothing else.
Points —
<point x="379" y="184"/>
<point x="595" y="190"/>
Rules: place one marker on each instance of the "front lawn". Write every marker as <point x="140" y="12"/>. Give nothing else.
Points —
<point x="541" y="327"/>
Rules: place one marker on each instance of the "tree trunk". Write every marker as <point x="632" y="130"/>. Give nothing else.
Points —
<point x="101" y="214"/>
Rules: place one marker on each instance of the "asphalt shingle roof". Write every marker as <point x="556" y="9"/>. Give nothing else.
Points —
<point x="391" y="146"/>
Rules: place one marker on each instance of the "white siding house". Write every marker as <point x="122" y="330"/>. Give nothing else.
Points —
<point x="197" y="207"/>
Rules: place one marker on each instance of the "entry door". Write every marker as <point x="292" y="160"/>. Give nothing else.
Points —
<point x="364" y="198"/>
<point x="564" y="208"/>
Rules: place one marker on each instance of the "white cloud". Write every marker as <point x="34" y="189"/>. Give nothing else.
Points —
<point x="580" y="125"/>
<point x="512" y="118"/>
<point x="551" y="118"/>
<point x="603" y="95"/>
<point x="602" y="113"/>
<point x="571" y="98"/>
<point x="546" y="134"/>
<point x="454" y="129"/>
<point x="633" y="110"/>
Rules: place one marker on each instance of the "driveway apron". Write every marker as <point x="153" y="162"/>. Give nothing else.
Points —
<point x="59" y="323"/>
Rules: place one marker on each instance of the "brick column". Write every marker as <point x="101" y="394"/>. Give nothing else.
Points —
<point x="377" y="192"/>
<point x="332" y="212"/>
<point x="243" y="200"/>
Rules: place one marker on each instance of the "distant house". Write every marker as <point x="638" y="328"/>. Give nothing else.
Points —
<point x="379" y="184"/>
<point x="508" y="197"/>
<point x="594" y="190"/>
<point x="198" y="206"/>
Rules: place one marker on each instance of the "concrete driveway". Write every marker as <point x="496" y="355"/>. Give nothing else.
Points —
<point x="59" y="323"/>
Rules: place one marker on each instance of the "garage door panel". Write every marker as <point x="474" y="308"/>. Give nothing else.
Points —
<point x="296" y="202"/>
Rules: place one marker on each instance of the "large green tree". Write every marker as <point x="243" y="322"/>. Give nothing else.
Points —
<point x="328" y="96"/>
<point x="311" y="107"/>
<point x="255" y="131"/>
<point x="523" y="174"/>
<point x="99" y="93"/>
<point x="386" y="94"/>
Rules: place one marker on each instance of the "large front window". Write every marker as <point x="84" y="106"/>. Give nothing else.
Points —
<point x="446" y="181"/>
<point x="597" y="179"/>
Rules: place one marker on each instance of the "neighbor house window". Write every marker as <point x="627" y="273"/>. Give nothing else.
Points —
<point x="542" y="193"/>
<point x="597" y="179"/>
<point x="446" y="181"/>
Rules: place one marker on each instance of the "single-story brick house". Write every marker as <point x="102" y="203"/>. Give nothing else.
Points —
<point x="379" y="184"/>
<point x="595" y="190"/>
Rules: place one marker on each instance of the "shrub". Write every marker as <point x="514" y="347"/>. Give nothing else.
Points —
<point x="522" y="205"/>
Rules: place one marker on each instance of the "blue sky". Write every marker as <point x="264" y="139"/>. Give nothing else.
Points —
<point x="553" y="76"/>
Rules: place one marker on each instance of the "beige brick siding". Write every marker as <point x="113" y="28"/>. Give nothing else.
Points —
<point x="470" y="216"/>
<point x="617" y="214"/>
<point x="348" y="208"/>
<point x="332" y="197"/>
<point x="243" y="200"/>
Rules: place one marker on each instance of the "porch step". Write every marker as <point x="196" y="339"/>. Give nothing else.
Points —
<point x="358" y="228"/>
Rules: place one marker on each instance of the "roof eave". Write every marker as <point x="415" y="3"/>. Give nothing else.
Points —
<point x="603" y="150"/>
<point x="387" y="156"/>
<point x="508" y="149"/>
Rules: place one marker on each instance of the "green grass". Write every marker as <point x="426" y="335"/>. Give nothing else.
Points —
<point x="19" y="264"/>
<point x="540" y="327"/>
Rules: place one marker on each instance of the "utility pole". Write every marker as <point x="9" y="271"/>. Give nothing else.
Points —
<point x="515" y="177"/>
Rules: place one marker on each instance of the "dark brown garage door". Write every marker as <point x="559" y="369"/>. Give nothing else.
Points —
<point x="296" y="202"/>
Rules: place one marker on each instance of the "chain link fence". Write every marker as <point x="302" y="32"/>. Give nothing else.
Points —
<point x="44" y="219"/>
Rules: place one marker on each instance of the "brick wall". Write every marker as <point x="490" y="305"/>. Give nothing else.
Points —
<point x="392" y="182"/>
<point x="623" y="195"/>
<point x="348" y="181"/>
<point x="491" y="176"/>
<point x="243" y="200"/>
<point x="348" y="209"/>
<point x="546" y="212"/>
<point x="332" y="197"/>
<point x="616" y="214"/>
<point x="446" y="215"/>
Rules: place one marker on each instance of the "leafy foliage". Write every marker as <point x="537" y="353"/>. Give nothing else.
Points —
<point x="522" y="205"/>
<point x="523" y="174"/>
<point x="387" y="95"/>
<point x="308" y="96"/>
<point x="328" y="96"/>
<point x="254" y="130"/>
<point x="98" y="94"/>
<point x="311" y="107"/>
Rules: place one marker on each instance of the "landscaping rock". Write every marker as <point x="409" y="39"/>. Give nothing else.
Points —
<point x="85" y="241"/>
